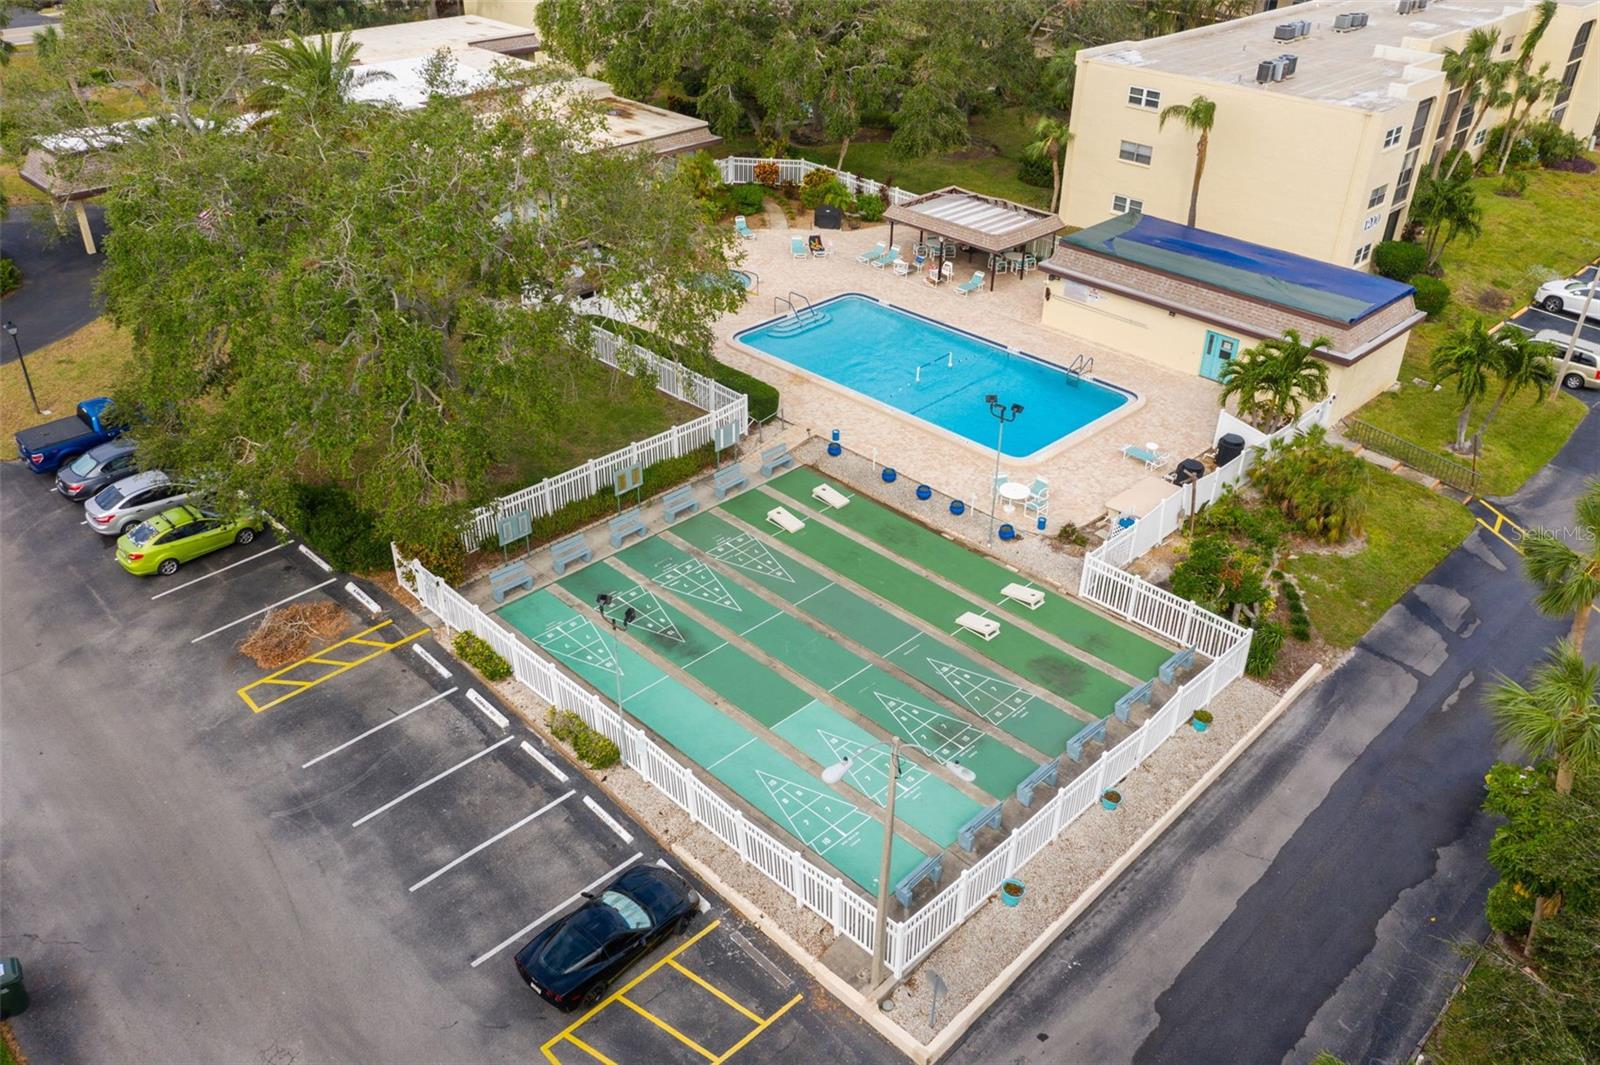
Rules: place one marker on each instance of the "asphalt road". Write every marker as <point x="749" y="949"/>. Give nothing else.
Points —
<point x="1311" y="899"/>
<point x="57" y="295"/>
<point x="342" y="876"/>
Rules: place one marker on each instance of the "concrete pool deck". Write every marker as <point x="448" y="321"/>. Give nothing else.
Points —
<point x="1179" y="411"/>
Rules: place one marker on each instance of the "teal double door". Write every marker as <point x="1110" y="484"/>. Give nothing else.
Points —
<point x="1218" y="350"/>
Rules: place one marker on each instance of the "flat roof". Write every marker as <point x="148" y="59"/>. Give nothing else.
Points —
<point x="407" y="40"/>
<point x="987" y="222"/>
<point x="1296" y="282"/>
<point x="1339" y="68"/>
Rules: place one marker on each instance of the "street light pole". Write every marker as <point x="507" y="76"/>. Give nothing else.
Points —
<point x="12" y="329"/>
<point x="1577" y="331"/>
<point x="1002" y="414"/>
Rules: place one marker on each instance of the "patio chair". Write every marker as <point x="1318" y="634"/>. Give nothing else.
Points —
<point x="1000" y="264"/>
<point x="947" y="270"/>
<point x="906" y="267"/>
<point x="741" y="228"/>
<point x="797" y="248"/>
<point x="1029" y="262"/>
<point x="973" y="285"/>
<point x="1001" y="478"/>
<point x="1038" y="497"/>
<point x="889" y="259"/>
<point x="818" y="249"/>
<point x="1150" y="454"/>
<point x="869" y="256"/>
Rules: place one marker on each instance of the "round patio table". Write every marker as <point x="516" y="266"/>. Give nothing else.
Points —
<point x="1013" y="492"/>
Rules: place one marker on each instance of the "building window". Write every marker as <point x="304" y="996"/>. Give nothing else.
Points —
<point x="1419" y="124"/>
<point x="1391" y="138"/>
<point x="1377" y="196"/>
<point x="1407" y="169"/>
<point x="1569" y="78"/>
<point x="1444" y="119"/>
<point x="1559" y="113"/>
<point x="1127" y="205"/>
<point x="1363" y="253"/>
<point x="1464" y="119"/>
<point x="1505" y="46"/>
<point x="1135" y="153"/>
<point x="1580" y="41"/>
<point x="1479" y="137"/>
<point x="1138" y="97"/>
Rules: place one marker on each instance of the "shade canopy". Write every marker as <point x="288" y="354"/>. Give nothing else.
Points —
<point x="988" y="223"/>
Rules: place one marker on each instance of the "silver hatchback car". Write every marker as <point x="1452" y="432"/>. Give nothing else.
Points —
<point x="121" y="506"/>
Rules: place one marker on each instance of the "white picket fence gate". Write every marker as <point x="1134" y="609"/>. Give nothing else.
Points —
<point x="1165" y="518"/>
<point x="723" y="407"/>
<point x="741" y="170"/>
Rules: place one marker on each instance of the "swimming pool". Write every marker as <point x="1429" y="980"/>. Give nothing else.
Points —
<point x="935" y="372"/>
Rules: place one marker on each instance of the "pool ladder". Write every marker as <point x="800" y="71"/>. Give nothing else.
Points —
<point x="800" y="318"/>
<point x="1081" y="365"/>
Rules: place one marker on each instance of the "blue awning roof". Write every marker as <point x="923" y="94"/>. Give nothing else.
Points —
<point x="1253" y="270"/>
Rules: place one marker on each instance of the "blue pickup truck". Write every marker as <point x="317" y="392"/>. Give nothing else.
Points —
<point x="45" y="447"/>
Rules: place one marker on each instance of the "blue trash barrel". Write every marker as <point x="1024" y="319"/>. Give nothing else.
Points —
<point x="888" y="474"/>
<point x="835" y="450"/>
<point x="1007" y="532"/>
<point x="924" y="492"/>
<point x="957" y="507"/>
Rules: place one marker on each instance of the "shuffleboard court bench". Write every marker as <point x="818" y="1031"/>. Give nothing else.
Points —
<point x="678" y="502"/>
<point x="564" y="553"/>
<point x="1032" y="598"/>
<point x="980" y="626"/>
<point x="624" y="525"/>
<point x="784" y="520"/>
<point x="511" y="575"/>
<point x="928" y="869"/>
<point x="828" y="495"/>
<point x="1139" y="693"/>
<point x="727" y="479"/>
<point x="775" y="458"/>
<point x="1086" y="735"/>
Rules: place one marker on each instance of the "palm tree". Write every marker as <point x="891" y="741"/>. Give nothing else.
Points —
<point x="1494" y="96"/>
<point x="1467" y="355"/>
<point x="1464" y="69"/>
<point x="1532" y="86"/>
<point x="1447" y="207"/>
<point x="1521" y="362"/>
<point x="1456" y="67"/>
<point x="1568" y="579"/>
<point x="1197" y="116"/>
<point x="1050" y="139"/>
<point x="1558" y="714"/>
<point x="309" y="73"/>
<point x="1275" y="378"/>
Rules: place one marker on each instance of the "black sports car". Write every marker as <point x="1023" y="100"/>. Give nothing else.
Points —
<point x="573" y="961"/>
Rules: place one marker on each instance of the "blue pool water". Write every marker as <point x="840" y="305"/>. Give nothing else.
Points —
<point x="878" y="350"/>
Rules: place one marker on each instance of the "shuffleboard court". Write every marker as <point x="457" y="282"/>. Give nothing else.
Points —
<point x="832" y="827"/>
<point x="861" y="684"/>
<point x="938" y="810"/>
<point x="1023" y="653"/>
<point x="1071" y="622"/>
<point x="1015" y="710"/>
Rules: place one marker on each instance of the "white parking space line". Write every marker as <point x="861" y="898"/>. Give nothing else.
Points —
<point x="497" y="837"/>
<point x="519" y="933"/>
<point x="378" y="728"/>
<point x="422" y="652"/>
<point x="263" y="610"/>
<point x="397" y="800"/>
<point x="610" y="821"/>
<point x="224" y="569"/>
<point x="550" y="767"/>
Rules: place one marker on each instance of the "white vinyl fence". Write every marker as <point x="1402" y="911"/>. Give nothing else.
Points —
<point x="723" y="407"/>
<point x="1162" y="521"/>
<point x="741" y="170"/>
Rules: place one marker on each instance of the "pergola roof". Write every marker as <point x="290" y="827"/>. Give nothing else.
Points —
<point x="987" y="222"/>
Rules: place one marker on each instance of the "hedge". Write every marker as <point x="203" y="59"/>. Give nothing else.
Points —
<point x="340" y="531"/>
<point x="764" y="398"/>
<point x="658" y="477"/>
<point x="477" y="653"/>
<point x="591" y="747"/>
<point x="1432" y="295"/>
<point x="747" y="199"/>
<point x="870" y="206"/>
<point x="1399" y="260"/>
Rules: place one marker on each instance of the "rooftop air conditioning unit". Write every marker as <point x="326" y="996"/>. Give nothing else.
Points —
<point x="1264" y="71"/>
<point x="1404" y="7"/>
<point x="1289" y="62"/>
<point x="1360" y="19"/>
<point x="1342" y="23"/>
<point x="1286" y="31"/>
<point x="1419" y="5"/>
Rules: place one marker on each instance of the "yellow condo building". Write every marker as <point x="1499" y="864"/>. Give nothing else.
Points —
<point x="1326" y="111"/>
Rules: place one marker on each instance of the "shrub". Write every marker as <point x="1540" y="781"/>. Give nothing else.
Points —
<point x="789" y="190"/>
<point x="870" y="206"/>
<point x="1399" y="260"/>
<point x="1552" y="144"/>
<point x="446" y="559"/>
<point x="767" y="174"/>
<point x="1300" y="628"/>
<point x="477" y="653"/>
<point x="1072" y="535"/>
<point x="343" y="533"/>
<point x="815" y="179"/>
<point x="764" y="398"/>
<point x="591" y="747"/>
<point x="1523" y="151"/>
<point x="1264" y="528"/>
<point x="11" y="273"/>
<point x="747" y="199"/>
<point x="1319" y="486"/>
<point x="1220" y="575"/>
<point x="1035" y="172"/>
<point x="831" y="192"/>
<point x="1512" y="185"/>
<point x="1264" y="649"/>
<point x="1432" y="295"/>
<point x="658" y="477"/>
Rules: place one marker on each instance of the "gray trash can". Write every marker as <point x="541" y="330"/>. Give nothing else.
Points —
<point x="13" y="995"/>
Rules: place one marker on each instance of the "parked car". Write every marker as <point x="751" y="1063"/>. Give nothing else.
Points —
<point x="574" y="960"/>
<point x="1585" y="369"/>
<point x="119" y="507"/>
<point x="94" y="469"/>
<point x="181" y="534"/>
<point x="45" y="447"/>
<point x="1566" y="296"/>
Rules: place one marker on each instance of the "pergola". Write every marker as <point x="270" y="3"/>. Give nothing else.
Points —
<point x="986" y="223"/>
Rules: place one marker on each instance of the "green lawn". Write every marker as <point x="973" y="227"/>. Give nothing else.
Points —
<point x="1409" y="530"/>
<point x="988" y="166"/>
<point x="1526" y="241"/>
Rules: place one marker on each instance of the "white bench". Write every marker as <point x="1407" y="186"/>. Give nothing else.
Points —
<point x="829" y="495"/>
<point x="784" y="520"/>
<point x="980" y="626"/>
<point x="1032" y="598"/>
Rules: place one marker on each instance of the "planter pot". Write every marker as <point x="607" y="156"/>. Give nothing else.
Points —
<point x="1199" y="726"/>
<point x="835" y="450"/>
<point x="957" y="507"/>
<point x="1011" y="891"/>
<point x="924" y="492"/>
<point x="889" y="475"/>
<point x="1007" y="532"/>
<point x="1107" y="803"/>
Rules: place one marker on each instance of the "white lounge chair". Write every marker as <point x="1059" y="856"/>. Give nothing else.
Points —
<point x="783" y="519"/>
<point x="869" y="256"/>
<point x="973" y="285"/>
<point x="983" y="628"/>
<point x="829" y="495"/>
<point x="1150" y="454"/>
<point x="797" y="248"/>
<point x="889" y="258"/>
<point x="1032" y="598"/>
<point x="742" y="228"/>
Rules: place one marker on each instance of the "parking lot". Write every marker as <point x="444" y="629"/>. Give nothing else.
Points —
<point x="1533" y="318"/>
<point x="204" y="859"/>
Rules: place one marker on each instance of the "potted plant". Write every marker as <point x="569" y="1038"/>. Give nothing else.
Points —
<point x="1201" y="720"/>
<point x="1110" y="799"/>
<point x="1011" y="891"/>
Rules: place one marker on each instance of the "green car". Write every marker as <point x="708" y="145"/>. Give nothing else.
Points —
<point x="181" y="535"/>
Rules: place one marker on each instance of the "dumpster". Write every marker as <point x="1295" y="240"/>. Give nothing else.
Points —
<point x="13" y="995"/>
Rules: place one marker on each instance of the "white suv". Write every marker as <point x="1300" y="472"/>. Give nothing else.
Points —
<point x="1565" y="296"/>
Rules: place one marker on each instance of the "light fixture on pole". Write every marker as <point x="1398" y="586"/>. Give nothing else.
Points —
<point x="11" y="328"/>
<point x="629" y="615"/>
<point x="835" y="773"/>
<point x="1002" y="414"/>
